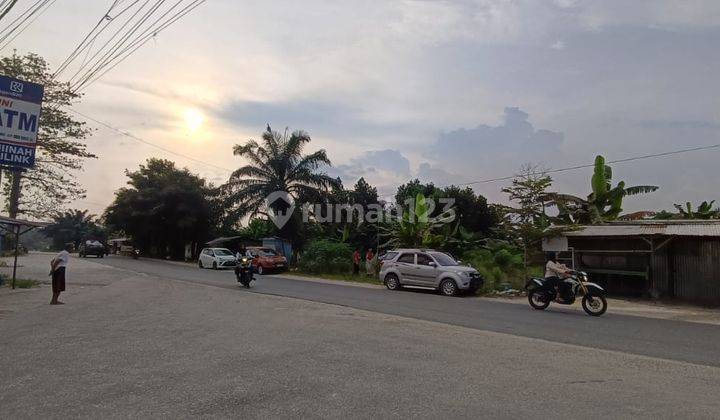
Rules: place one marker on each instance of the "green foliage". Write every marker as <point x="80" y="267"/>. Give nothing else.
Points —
<point x="60" y="149"/>
<point x="258" y="228"/>
<point x="703" y="211"/>
<point x="324" y="256"/>
<point x="604" y="203"/>
<point x="275" y="164"/>
<point x="163" y="209"/>
<point x="526" y="223"/>
<point x="500" y="264"/>
<point x="416" y="228"/>
<point x="74" y="226"/>
<point x="472" y="211"/>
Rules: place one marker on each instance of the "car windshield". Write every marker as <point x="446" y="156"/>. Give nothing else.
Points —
<point x="443" y="259"/>
<point x="223" y="252"/>
<point x="266" y="253"/>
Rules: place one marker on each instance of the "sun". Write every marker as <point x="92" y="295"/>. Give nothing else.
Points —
<point x="194" y="119"/>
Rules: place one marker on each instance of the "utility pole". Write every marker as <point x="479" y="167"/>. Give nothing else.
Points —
<point x="14" y="202"/>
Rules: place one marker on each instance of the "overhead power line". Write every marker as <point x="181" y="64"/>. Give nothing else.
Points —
<point x="149" y="143"/>
<point x="118" y="33"/>
<point x="590" y="165"/>
<point x="22" y="21"/>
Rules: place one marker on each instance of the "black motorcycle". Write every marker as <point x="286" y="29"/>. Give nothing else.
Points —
<point x="244" y="272"/>
<point x="541" y="292"/>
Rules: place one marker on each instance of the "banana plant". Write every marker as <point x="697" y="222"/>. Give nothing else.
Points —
<point x="415" y="227"/>
<point x="703" y="211"/>
<point x="602" y="204"/>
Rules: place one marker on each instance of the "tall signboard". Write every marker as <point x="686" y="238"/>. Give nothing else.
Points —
<point x="20" y="103"/>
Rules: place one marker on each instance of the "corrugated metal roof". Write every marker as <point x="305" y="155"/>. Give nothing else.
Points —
<point x="651" y="227"/>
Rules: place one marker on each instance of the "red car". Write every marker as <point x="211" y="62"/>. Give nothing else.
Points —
<point x="267" y="259"/>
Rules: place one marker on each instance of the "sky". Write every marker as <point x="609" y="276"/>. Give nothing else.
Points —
<point x="446" y="91"/>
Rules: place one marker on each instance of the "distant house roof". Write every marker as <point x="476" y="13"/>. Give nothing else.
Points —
<point x="650" y="228"/>
<point x="21" y="222"/>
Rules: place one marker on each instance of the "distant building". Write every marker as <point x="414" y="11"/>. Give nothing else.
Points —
<point x="657" y="258"/>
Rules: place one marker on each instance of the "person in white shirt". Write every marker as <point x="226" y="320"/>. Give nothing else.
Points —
<point x="57" y="271"/>
<point x="555" y="272"/>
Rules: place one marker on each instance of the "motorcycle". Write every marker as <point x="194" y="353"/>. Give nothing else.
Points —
<point x="541" y="292"/>
<point x="244" y="272"/>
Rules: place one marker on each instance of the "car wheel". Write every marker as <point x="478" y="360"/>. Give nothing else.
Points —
<point x="448" y="287"/>
<point x="260" y="270"/>
<point x="200" y="264"/>
<point x="214" y="265"/>
<point x="392" y="282"/>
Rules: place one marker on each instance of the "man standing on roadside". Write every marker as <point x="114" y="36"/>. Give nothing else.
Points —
<point x="57" y="271"/>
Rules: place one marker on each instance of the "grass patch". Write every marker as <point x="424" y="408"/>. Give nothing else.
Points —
<point x="21" y="283"/>
<point x="360" y="278"/>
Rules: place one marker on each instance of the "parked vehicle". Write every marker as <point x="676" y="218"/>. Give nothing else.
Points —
<point x="124" y="246"/>
<point x="244" y="271"/>
<point x="216" y="258"/>
<point x="265" y="260"/>
<point x="428" y="268"/>
<point x="91" y="247"/>
<point x="541" y="293"/>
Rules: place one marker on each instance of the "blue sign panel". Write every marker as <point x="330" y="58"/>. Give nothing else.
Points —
<point x="20" y="103"/>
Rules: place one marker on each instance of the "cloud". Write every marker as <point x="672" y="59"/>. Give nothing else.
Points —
<point x="440" y="177"/>
<point x="389" y="162"/>
<point x="494" y="150"/>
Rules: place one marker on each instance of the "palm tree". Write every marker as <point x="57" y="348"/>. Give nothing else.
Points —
<point x="275" y="164"/>
<point x="73" y="226"/>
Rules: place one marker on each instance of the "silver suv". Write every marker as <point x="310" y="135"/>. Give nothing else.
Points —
<point x="428" y="269"/>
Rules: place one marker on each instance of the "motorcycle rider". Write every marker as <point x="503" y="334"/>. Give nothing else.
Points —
<point x="555" y="273"/>
<point x="243" y="253"/>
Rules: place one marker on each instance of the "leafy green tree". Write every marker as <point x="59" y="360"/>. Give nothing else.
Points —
<point x="163" y="209"/>
<point x="40" y="191"/>
<point x="258" y="228"/>
<point x="277" y="163"/>
<point x="473" y="212"/>
<point x="406" y="193"/>
<point x="527" y="222"/>
<point x="74" y="226"/>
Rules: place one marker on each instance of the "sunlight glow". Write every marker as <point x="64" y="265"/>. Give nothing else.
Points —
<point x="194" y="119"/>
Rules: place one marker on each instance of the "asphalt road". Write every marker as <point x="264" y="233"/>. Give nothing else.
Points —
<point x="667" y="339"/>
<point x="161" y="340"/>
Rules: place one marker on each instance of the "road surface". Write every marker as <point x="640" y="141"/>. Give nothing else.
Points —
<point x="150" y="339"/>
<point x="674" y="340"/>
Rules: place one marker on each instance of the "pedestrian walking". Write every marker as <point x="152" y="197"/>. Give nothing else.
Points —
<point x="369" y="257"/>
<point x="356" y="262"/>
<point x="58" y="265"/>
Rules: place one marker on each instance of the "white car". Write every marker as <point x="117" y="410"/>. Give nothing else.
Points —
<point x="216" y="258"/>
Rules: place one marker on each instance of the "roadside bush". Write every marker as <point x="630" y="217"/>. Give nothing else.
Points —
<point x="501" y="265"/>
<point x="324" y="256"/>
